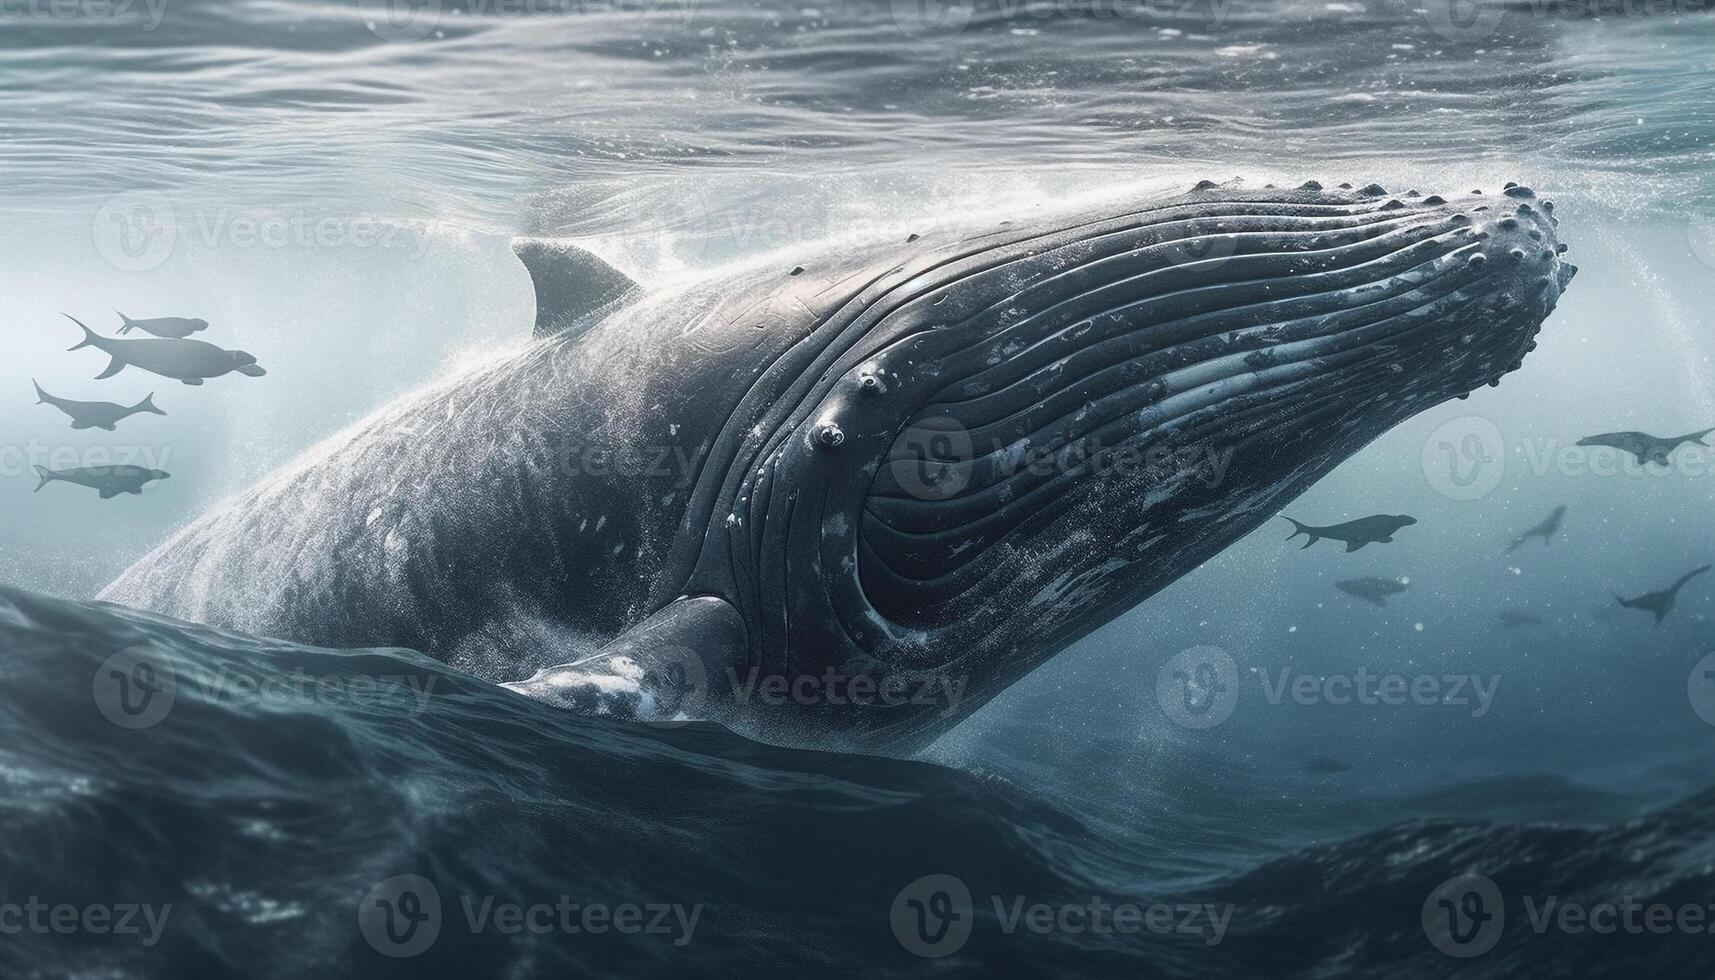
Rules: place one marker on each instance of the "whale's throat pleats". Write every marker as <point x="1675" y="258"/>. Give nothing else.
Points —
<point x="1121" y="364"/>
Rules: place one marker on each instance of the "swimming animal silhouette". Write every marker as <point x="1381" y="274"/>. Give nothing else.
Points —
<point x="1647" y="448"/>
<point x="1546" y="530"/>
<point x="1661" y="603"/>
<point x="190" y="361"/>
<point x="1378" y="529"/>
<point x="111" y="481"/>
<point x="96" y="415"/>
<point x="1372" y="590"/>
<point x="174" y="327"/>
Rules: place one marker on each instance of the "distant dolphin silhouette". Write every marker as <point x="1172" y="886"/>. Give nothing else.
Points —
<point x="190" y="361"/>
<point x="174" y="327"/>
<point x="111" y="481"/>
<point x="1661" y="603"/>
<point x="1378" y="529"/>
<point x="1546" y="530"/>
<point x="96" y="415"/>
<point x="1647" y="448"/>
<point x="1372" y="590"/>
<point x="1514" y="618"/>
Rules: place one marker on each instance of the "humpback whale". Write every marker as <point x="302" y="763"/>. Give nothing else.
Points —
<point x="802" y="495"/>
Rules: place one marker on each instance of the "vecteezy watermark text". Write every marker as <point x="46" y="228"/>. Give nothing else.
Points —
<point x="935" y="915"/>
<point x="38" y="917"/>
<point x="402" y="917"/>
<point x="831" y="687"/>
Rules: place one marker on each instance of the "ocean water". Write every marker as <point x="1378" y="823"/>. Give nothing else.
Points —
<point x="332" y="185"/>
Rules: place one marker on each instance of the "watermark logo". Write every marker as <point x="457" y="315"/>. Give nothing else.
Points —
<point x="1199" y="688"/>
<point x="136" y="231"/>
<point x="1700" y="689"/>
<point x="925" y="19"/>
<point x="136" y="687"/>
<point x="932" y="459"/>
<point x="401" y="916"/>
<point x="1464" y="20"/>
<point x="400" y="20"/>
<point x="1465" y="459"/>
<point x="1464" y="916"/>
<point x="1206" y="241"/>
<point x="677" y="682"/>
<point x="933" y="916"/>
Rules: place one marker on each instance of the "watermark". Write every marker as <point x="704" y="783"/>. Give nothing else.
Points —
<point x="1465" y="916"/>
<point x="1472" y="691"/>
<point x="831" y="687"/>
<point x="146" y="14"/>
<point x="22" y="460"/>
<point x="1464" y="21"/>
<point x="404" y="915"/>
<point x="936" y="458"/>
<point x="1199" y="688"/>
<point x="933" y="19"/>
<point x="135" y="231"/>
<point x="137" y="687"/>
<point x="1475" y="21"/>
<point x="1700" y="689"/>
<point x="934" y="916"/>
<point x="1465" y="458"/>
<point x="139" y="231"/>
<point x="415" y="20"/>
<point x="139" y="920"/>
<point x="573" y="456"/>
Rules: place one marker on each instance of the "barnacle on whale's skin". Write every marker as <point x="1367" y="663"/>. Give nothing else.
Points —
<point x="928" y="462"/>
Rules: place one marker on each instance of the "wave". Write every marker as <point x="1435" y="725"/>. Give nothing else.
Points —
<point x="258" y="808"/>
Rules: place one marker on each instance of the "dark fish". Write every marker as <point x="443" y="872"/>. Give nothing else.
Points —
<point x="1378" y="529"/>
<point x="1375" y="590"/>
<point x="96" y="415"/>
<point x="111" y="481"/>
<point x="1546" y="530"/>
<point x="175" y="327"/>
<point x="190" y="361"/>
<point x="1661" y="603"/>
<point x="1647" y="448"/>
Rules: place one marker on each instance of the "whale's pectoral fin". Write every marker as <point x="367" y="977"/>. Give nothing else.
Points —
<point x="676" y="665"/>
<point x="113" y="367"/>
<point x="1352" y="546"/>
<point x="571" y="283"/>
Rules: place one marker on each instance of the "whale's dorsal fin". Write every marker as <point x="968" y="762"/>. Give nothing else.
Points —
<point x="571" y="283"/>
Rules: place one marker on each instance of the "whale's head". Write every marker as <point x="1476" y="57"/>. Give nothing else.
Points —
<point x="1000" y="443"/>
